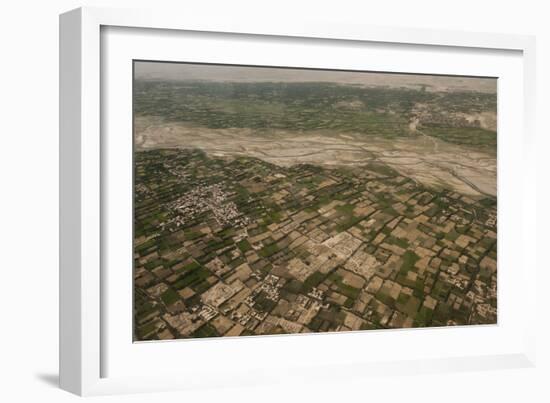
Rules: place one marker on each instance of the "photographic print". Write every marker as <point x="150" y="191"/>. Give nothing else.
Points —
<point x="274" y="200"/>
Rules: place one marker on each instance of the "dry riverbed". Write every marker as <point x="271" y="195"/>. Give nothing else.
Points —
<point x="425" y="159"/>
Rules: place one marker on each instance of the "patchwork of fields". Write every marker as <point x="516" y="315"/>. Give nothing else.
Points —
<point x="272" y="208"/>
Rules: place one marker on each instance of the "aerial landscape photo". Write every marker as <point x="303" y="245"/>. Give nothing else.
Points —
<point x="281" y="201"/>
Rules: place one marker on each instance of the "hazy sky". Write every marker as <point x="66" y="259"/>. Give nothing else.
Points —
<point x="184" y="71"/>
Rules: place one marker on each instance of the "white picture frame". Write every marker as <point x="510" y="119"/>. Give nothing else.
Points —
<point x="86" y="341"/>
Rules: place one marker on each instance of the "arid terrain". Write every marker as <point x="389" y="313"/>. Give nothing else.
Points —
<point x="278" y="201"/>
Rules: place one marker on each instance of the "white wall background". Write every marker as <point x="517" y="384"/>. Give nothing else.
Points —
<point x="29" y="201"/>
